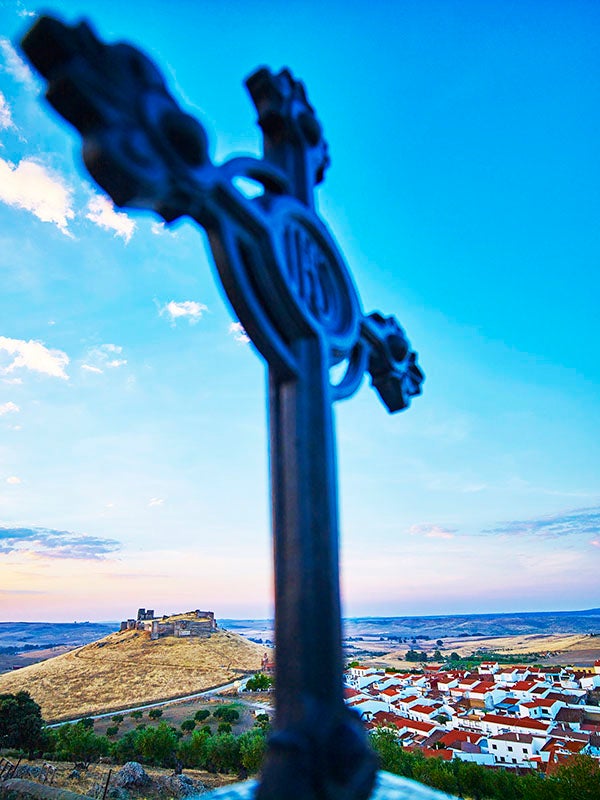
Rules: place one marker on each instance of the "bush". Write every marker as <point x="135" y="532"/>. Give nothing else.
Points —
<point x="226" y="713"/>
<point x="155" y="713"/>
<point x="224" y="727"/>
<point x="117" y="719"/>
<point x="136" y="714"/>
<point x="188" y="725"/>
<point x="201" y="715"/>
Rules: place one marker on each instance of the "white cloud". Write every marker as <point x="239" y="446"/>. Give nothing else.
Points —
<point x="32" y="187"/>
<point x="595" y="542"/>
<point x="13" y="480"/>
<point x="6" y="120"/>
<point x="156" y="501"/>
<point x="432" y="531"/>
<point x="7" y="408"/>
<point x="99" y="359"/>
<point x="102" y="212"/>
<point x="34" y="356"/>
<point x="23" y="12"/>
<point x="14" y="64"/>
<point x="236" y="329"/>
<point x="13" y="381"/>
<point x="187" y="308"/>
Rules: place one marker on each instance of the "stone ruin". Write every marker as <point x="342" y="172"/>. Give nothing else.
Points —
<point x="197" y="624"/>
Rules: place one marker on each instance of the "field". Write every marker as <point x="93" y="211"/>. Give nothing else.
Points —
<point x="127" y="669"/>
<point x="573" y="649"/>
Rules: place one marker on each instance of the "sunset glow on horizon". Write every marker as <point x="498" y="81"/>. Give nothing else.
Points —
<point x="463" y="192"/>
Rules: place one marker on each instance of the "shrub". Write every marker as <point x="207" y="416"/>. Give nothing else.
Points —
<point x="227" y="713"/>
<point x="224" y="727"/>
<point x="201" y="715"/>
<point x="112" y="730"/>
<point x="188" y="725"/>
<point x="155" y="713"/>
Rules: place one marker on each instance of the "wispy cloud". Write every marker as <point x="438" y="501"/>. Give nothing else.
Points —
<point x="32" y="187"/>
<point x="13" y="480"/>
<point x="186" y="309"/>
<point x="156" y="501"/>
<point x="103" y="357"/>
<point x="159" y="228"/>
<point x="34" y="356"/>
<point x="24" y="12"/>
<point x="578" y="521"/>
<point x="51" y="543"/>
<point x="14" y="64"/>
<point x="9" y="408"/>
<point x="236" y="329"/>
<point x="432" y="531"/>
<point x="102" y="213"/>
<point x="6" y="120"/>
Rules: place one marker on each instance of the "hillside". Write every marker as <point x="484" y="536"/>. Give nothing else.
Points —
<point x="126" y="668"/>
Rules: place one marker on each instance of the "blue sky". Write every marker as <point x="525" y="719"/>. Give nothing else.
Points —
<point x="464" y="192"/>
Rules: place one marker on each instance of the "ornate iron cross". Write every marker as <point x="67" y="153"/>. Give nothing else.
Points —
<point x="290" y="288"/>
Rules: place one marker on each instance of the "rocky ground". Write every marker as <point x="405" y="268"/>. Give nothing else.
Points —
<point x="132" y="781"/>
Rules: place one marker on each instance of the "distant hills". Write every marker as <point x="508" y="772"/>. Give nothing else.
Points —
<point x="126" y="669"/>
<point x="540" y="622"/>
<point x="53" y="634"/>
<point x="440" y="627"/>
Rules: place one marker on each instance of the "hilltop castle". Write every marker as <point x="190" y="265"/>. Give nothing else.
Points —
<point x="200" y="624"/>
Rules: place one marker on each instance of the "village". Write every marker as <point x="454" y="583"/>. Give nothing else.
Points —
<point x="518" y="717"/>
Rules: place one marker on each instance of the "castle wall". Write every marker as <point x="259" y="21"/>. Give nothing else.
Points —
<point x="202" y="626"/>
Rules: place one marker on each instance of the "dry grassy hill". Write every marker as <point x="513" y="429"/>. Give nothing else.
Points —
<point x="127" y="669"/>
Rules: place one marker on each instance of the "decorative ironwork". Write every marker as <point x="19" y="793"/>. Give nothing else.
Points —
<point x="290" y="288"/>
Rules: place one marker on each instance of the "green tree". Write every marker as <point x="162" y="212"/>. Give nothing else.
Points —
<point x="224" y="727"/>
<point x="192" y="752"/>
<point x="259" y="682"/>
<point x="391" y="755"/>
<point x="155" y="713"/>
<point x="157" y="745"/>
<point x="223" y="753"/>
<point x="252" y="750"/>
<point x="188" y="725"/>
<point x="201" y="715"/>
<point x="578" y="778"/>
<point x="21" y="722"/>
<point x="117" y="719"/>
<point x="112" y="730"/>
<point x="227" y="713"/>
<point x="78" y="742"/>
<point x="136" y="714"/>
<point x="125" y="749"/>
